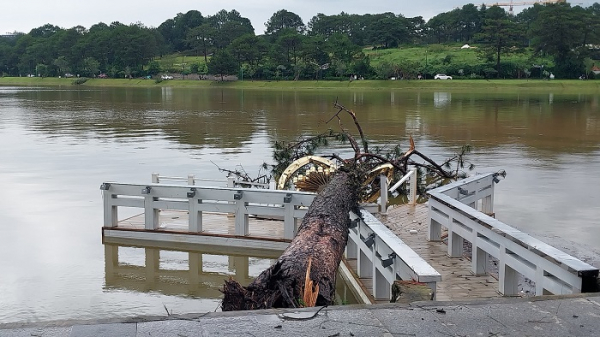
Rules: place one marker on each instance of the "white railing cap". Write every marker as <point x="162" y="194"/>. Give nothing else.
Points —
<point x="460" y="183"/>
<point x="541" y="248"/>
<point x="219" y="188"/>
<point x="424" y="271"/>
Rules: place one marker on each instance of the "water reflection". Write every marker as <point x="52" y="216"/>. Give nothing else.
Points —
<point x="180" y="272"/>
<point x="441" y="99"/>
<point x="228" y="118"/>
<point x="185" y="271"/>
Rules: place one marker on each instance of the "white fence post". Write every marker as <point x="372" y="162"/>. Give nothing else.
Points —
<point x="413" y="187"/>
<point x="195" y="215"/>
<point x="487" y="203"/>
<point x="241" y="215"/>
<point x="155" y="179"/>
<point x="479" y="260"/>
<point x="364" y="265"/>
<point x="455" y="244"/>
<point x="230" y="182"/>
<point x="508" y="278"/>
<point x="111" y="215"/>
<point x="383" y="194"/>
<point x="289" y="221"/>
<point x="151" y="214"/>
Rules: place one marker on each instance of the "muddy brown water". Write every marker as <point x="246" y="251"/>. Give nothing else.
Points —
<point x="59" y="144"/>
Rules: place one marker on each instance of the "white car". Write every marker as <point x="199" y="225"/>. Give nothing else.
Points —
<point x="442" y="77"/>
<point x="166" y="77"/>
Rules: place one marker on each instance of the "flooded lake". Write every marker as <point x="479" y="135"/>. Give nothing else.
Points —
<point x="59" y="144"/>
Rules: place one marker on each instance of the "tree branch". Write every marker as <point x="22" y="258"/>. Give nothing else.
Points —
<point x="360" y="131"/>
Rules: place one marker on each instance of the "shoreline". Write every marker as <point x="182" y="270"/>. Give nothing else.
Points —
<point x="508" y="86"/>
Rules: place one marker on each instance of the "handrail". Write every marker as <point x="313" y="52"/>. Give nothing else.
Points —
<point x="383" y="182"/>
<point x="388" y="256"/>
<point x="384" y="256"/>
<point x="463" y="207"/>
<point x="241" y="202"/>
<point x="401" y="181"/>
<point x="190" y="179"/>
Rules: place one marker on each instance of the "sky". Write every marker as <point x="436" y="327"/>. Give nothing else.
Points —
<point x="24" y="15"/>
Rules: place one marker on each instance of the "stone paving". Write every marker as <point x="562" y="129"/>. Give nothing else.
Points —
<point x="409" y="223"/>
<point x="547" y="316"/>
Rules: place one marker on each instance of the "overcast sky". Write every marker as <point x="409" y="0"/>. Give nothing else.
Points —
<point x="23" y="15"/>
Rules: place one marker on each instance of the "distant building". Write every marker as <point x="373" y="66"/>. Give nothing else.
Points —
<point x="10" y="35"/>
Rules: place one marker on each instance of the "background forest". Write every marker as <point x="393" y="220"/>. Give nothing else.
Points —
<point x="542" y="39"/>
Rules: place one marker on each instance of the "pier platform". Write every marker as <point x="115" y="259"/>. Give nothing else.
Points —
<point x="409" y="223"/>
<point x="457" y="282"/>
<point x="451" y="244"/>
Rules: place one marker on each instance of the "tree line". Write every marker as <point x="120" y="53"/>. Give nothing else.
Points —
<point x="328" y="46"/>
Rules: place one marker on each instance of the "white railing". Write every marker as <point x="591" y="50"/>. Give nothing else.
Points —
<point x="384" y="257"/>
<point x="240" y="202"/>
<point x="235" y="182"/>
<point x="157" y="178"/>
<point x="463" y="207"/>
<point x="380" y="254"/>
<point x="410" y="178"/>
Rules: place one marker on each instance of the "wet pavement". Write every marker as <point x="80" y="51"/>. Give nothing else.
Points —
<point x="574" y="315"/>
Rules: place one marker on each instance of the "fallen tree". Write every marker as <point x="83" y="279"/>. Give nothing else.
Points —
<point x="321" y="239"/>
<point x="305" y="274"/>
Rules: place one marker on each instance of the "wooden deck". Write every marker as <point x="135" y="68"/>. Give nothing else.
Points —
<point x="457" y="280"/>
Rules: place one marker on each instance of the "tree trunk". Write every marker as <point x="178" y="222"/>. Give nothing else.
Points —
<point x="321" y="237"/>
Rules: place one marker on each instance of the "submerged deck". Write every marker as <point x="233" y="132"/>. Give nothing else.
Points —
<point x="457" y="281"/>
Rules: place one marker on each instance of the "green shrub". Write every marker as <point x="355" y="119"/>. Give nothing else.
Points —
<point x="79" y="81"/>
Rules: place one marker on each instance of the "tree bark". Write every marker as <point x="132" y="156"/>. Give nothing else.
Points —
<point x="321" y="237"/>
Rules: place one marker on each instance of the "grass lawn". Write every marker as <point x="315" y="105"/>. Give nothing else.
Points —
<point x="454" y="85"/>
<point x="440" y="58"/>
<point x="177" y="63"/>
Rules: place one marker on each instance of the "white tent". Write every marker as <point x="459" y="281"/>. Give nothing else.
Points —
<point x="466" y="46"/>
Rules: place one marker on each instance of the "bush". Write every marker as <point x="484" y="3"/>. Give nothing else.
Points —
<point x="79" y="81"/>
